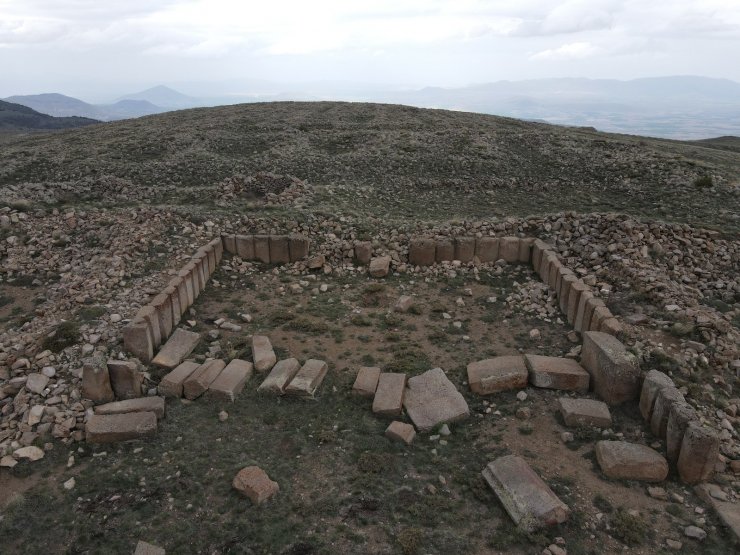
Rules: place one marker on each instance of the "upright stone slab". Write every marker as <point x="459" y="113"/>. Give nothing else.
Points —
<point x="654" y="381"/>
<point x="601" y="314"/>
<point x="182" y="295"/>
<point x="308" y="379"/>
<point x="367" y="381"/>
<point x="575" y="290"/>
<point x="231" y="381"/>
<point x="581" y="323"/>
<point x="163" y="305"/>
<point x="589" y="317"/>
<point x="262" y="248"/>
<point x="630" y="461"/>
<point x="530" y="502"/>
<point x="555" y="268"/>
<point x="298" y="247"/>
<point x="388" y="400"/>
<point x="431" y="399"/>
<point x="567" y="280"/>
<point x="497" y="374"/>
<point x="174" y="296"/>
<point x="191" y="270"/>
<point x="177" y="348"/>
<point x="379" y="266"/>
<point x="699" y="454"/>
<point x="125" y="378"/>
<point x="96" y="380"/>
<point x="262" y="353"/>
<point x="664" y="401"/>
<point x="200" y="259"/>
<point x="280" y="376"/>
<point x="229" y="243"/>
<point x="149" y="315"/>
<point x="141" y="404"/>
<point x="445" y="250"/>
<point x="245" y="247"/>
<point x="615" y="375"/>
<point x="279" y="249"/>
<point x="585" y="412"/>
<point x="548" y="257"/>
<point x="557" y="373"/>
<point x="464" y="249"/>
<point x="363" y="252"/>
<point x="199" y="381"/>
<point x="486" y="249"/>
<point x="682" y="414"/>
<point x="422" y="252"/>
<point x="187" y="279"/>
<point x="120" y="427"/>
<point x="612" y="326"/>
<point x="525" y="249"/>
<point x="538" y="247"/>
<point x="508" y="249"/>
<point x="171" y="384"/>
<point x="561" y="273"/>
<point x="137" y="340"/>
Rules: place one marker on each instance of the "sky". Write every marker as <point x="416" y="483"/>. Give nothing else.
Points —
<point x="98" y="49"/>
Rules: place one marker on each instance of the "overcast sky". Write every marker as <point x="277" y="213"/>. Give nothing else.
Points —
<point x="98" y="48"/>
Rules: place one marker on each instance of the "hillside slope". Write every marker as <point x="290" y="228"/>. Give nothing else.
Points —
<point x="15" y="117"/>
<point x="390" y="161"/>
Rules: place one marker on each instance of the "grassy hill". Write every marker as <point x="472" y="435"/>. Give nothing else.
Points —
<point x="15" y="117"/>
<point x="393" y="162"/>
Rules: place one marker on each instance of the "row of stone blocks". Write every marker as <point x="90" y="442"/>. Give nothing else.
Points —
<point x="691" y="447"/>
<point x="427" y="251"/>
<point x="155" y="321"/>
<point x="269" y="249"/>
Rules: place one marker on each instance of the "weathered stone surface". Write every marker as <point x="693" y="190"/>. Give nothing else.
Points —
<point x="229" y="243"/>
<point x="728" y="513"/>
<point x="525" y="249"/>
<point x="555" y="268"/>
<point x="137" y="340"/>
<point x="592" y="303"/>
<point x="298" y="247"/>
<point x="422" y="252"/>
<point x="486" y="249"/>
<point x="508" y="249"/>
<point x="612" y="326"/>
<point x="177" y="348"/>
<point x="600" y="315"/>
<point x="141" y="404"/>
<point x="96" y="380"/>
<point x="445" y="250"/>
<point x="615" y="375"/>
<point x="567" y="280"/>
<point x="363" y="252"/>
<point x="388" y="400"/>
<point x="263" y="354"/>
<point x="262" y="248"/>
<point x="630" y="461"/>
<point x="538" y="248"/>
<point x="585" y="412"/>
<point x="162" y="304"/>
<point x="36" y="383"/>
<point x="557" y="373"/>
<point x="575" y="290"/>
<point x="279" y="249"/>
<point x="30" y="452"/>
<point x="149" y="315"/>
<point x="379" y="266"/>
<point x="497" y="374"/>
<point x="254" y="482"/>
<point x="526" y="497"/>
<point x="245" y="247"/>
<point x="664" y="401"/>
<point x="432" y="399"/>
<point x="581" y="324"/>
<point x="678" y="420"/>
<point x="280" y="376"/>
<point x="125" y="378"/>
<point x="171" y="384"/>
<point x="231" y="381"/>
<point x="367" y="381"/>
<point x="464" y="248"/>
<point x="144" y="548"/>
<point x="654" y="381"/>
<point x="400" y="431"/>
<point x="199" y="381"/>
<point x="308" y="379"/>
<point x="403" y="304"/>
<point x="699" y="454"/>
<point x="120" y="427"/>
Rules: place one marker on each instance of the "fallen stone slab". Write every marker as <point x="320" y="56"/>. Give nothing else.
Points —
<point x="630" y="461"/>
<point x="308" y="379"/>
<point x="699" y="454"/>
<point x="366" y="381"/>
<point x="141" y="404"/>
<point x="280" y="376"/>
<point x="585" y="412"/>
<point x="388" y="400"/>
<point x="254" y="482"/>
<point x="431" y="399"/>
<point x="144" y="548"/>
<point x="497" y="374"/>
<point x="728" y="513"/>
<point x="96" y="380"/>
<point x="682" y="414"/>
<point x="177" y="348"/>
<point x="125" y="378"/>
<point x="379" y="266"/>
<point x="615" y="374"/>
<point x="528" y="500"/>
<point x="231" y="381"/>
<point x="171" y="384"/>
<point x="263" y="354"/>
<point x="664" y="401"/>
<point x="120" y="427"/>
<point x="400" y="431"/>
<point x="654" y="381"/>
<point x="557" y="373"/>
<point x="199" y="381"/>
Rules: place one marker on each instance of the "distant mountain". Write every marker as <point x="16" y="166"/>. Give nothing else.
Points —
<point x="164" y="96"/>
<point x="59" y="105"/>
<point x="16" y="117"/>
<point x="130" y="108"/>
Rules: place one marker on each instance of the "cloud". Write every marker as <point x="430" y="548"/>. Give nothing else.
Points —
<point x="570" y="51"/>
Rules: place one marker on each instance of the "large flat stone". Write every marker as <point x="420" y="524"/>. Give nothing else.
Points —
<point x="486" y="249"/>
<point x="432" y="399"/>
<point x="728" y="513"/>
<point x="379" y="266"/>
<point x="585" y="412"/>
<point x="120" y="427"/>
<point x="497" y="374"/>
<point x="654" y="381"/>
<point x="557" y="373"/>
<point x="388" y="400"/>
<point x="231" y="381"/>
<point x="308" y="379"/>
<point x="199" y="381"/>
<point x="366" y="381"/>
<point x="263" y="354"/>
<point x="125" y="378"/>
<point x="630" y="461"/>
<point x="141" y="404"/>
<point x="280" y="376"/>
<point x="177" y="348"/>
<point x="171" y="384"/>
<point x="526" y="497"/>
<point x="254" y="482"/>
<point x="615" y="374"/>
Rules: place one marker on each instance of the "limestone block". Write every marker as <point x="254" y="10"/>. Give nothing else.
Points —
<point x="120" y="427"/>
<point x="137" y="340"/>
<point x="612" y="326"/>
<point x="171" y="384"/>
<point x="262" y="248"/>
<point x="557" y="373"/>
<point x="508" y="249"/>
<point x="575" y="290"/>
<point x="464" y="248"/>
<point x="308" y="379"/>
<point x="497" y="374"/>
<point x="682" y="414"/>
<point x="581" y="323"/>
<point x="601" y="313"/>
<point x="279" y="249"/>
<point x="400" y="431"/>
<point x="525" y="249"/>
<point x="445" y="250"/>
<point x="298" y="247"/>
<point x="201" y="379"/>
<point x="280" y="376"/>
<point x="486" y="249"/>
<point x="585" y="412"/>
<point x="162" y="304"/>
<point x="615" y="374"/>
<point x="363" y="252"/>
<point x="538" y="248"/>
<point x="149" y="315"/>
<point x="229" y="243"/>
<point x="187" y="280"/>
<point x="125" y="378"/>
<point x="431" y="399"/>
<point x="245" y="247"/>
<point x="664" y="401"/>
<point x="175" y="313"/>
<point x="231" y="381"/>
<point x="141" y="404"/>
<point x="96" y="380"/>
<point x="144" y="548"/>
<point x="422" y="252"/>
<point x="654" y="381"/>
<point x="263" y="354"/>
<point x="388" y="400"/>
<point x="177" y="348"/>
<point x="379" y="266"/>
<point x="630" y="461"/>
<point x="254" y="482"/>
<point x="567" y="279"/>
<point x="699" y="454"/>
<point x="367" y="381"/>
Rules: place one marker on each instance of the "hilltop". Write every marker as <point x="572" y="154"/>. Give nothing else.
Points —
<point x="15" y="117"/>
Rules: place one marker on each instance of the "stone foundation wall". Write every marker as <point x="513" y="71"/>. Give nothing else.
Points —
<point x="269" y="249"/>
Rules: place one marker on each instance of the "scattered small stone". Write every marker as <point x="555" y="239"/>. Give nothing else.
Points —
<point x="695" y="533"/>
<point x="254" y="482"/>
<point x="223" y="416"/>
<point x="69" y="484"/>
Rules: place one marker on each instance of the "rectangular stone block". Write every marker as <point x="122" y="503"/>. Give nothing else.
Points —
<point x="262" y="248"/>
<point x="174" y="296"/>
<point x="137" y="340"/>
<point x="585" y="412"/>
<point x="95" y="380"/>
<point x="182" y="295"/>
<point x="592" y="304"/>
<point x="555" y="268"/>
<point x="621" y="460"/>
<point x="308" y="379"/>
<point x="601" y="314"/>
<point x="464" y="249"/>
<point x="280" y="376"/>
<point x="526" y="497"/>
<point x="149" y="315"/>
<point x="431" y="399"/>
<point x="486" y="249"/>
<point x="263" y="354"/>
<point x="171" y="384"/>
<point x="125" y="378"/>
<point x="142" y="404"/>
<point x="681" y="415"/>
<point x="229" y="243"/>
<point x="177" y="348"/>
<point x="245" y="247"/>
<point x="567" y="279"/>
<point x="557" y="373"/>
<point x="445" y="250"/>
<point x="120" y="427"/>
<point x="575" y="290"/>
<point x="200" y="260"/>
<point x="279" y="249"/>
<point x="654" y="381"/>
<point x="187" y="279"/>
<point x="525" y="249"/>
<point x="212" y="258"/>
<point x="367" y="381"/>
<point x="192" y="269"/>
<point x="400" y="431"/>
<point x="231" y="381"/>
<point x="162" y="304"/>
<point x="664" y="401"/>
<point x="422" y="252"/>
<point x="615" y="374"/>
<point x="538" y="247"/>
<point x="508" y="249"/>
<point x="548" y="257"/>
<point x="298" y="247"/>
<point x="581" y="323"/>
<point x="388" y="400"/>
<point x="497" y="374"/>
<point x="218" y="249"/>
<point x="144" y="548"/>
<point x="612" y="326"/>
<point x="199" y="381"/>
<point x="699" y="454"/>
